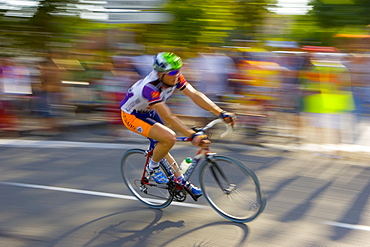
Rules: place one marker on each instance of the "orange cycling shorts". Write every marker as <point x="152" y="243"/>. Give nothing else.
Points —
<point x="141" y="123"/>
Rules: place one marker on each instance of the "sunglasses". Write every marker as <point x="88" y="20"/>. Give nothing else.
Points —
<point x="173" y="72"/>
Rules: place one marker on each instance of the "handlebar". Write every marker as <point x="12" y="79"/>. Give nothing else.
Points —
<point x="229" y="128"/>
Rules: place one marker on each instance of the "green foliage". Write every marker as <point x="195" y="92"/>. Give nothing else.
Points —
<point x="341" y="14"/>
<point x="38" y="28"/>
<point x="249" y="16"/>
<point x="195" y="23"/>
<point x="330" y="17"/>
<point x="207" y="22"/>
<point x="200" y="23"/>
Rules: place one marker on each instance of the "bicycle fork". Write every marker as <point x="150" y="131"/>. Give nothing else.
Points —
<point x="220" y="176"/>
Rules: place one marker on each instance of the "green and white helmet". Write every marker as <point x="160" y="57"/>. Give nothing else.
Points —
<point x="166" y="61"/>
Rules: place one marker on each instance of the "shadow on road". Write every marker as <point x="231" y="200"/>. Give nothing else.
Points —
<point x="126" y="229"/>
<point x="355" y="212"/>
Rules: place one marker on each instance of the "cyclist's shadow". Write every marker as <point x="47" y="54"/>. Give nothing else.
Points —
<point x="128" y="232"/>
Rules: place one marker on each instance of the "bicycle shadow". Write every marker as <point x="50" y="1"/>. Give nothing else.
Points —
<point x="125" y="229"/>
<point x="139" y="236"/>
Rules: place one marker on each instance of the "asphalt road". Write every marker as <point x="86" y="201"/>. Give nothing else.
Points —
<point x="71" y="194"/>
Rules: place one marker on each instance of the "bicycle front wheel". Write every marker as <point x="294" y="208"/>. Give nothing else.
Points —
<point x="231" y="189"/>
<point x="152" y="194"/>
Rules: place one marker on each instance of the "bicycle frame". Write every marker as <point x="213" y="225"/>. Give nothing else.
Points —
<point x="230" y="188"/>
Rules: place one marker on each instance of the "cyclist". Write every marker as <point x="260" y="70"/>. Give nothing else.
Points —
<point x="144" y="107"/>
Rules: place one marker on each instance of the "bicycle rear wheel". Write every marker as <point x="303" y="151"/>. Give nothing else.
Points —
<point x="150" y="193"/>
<point x="231" y="189"/>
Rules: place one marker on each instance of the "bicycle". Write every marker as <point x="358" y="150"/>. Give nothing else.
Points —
<point x="230" y="188"/>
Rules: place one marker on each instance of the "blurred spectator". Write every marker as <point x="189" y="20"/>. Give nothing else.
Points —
<point x="16" y="78"/>
<point x="329" y="98"/>
<point x="358" y="66"/>
<point x="115" y="83"/>
<point x="211" y="71"/>
<point x="8" y="119"/>
<point x="16" y="90"/>
<point x="288" y="104"/>
<point x="49" y="98"/>
<point x="143" y="64"/>
<point x="214" y="69"/>
<point x="255" y="87"/>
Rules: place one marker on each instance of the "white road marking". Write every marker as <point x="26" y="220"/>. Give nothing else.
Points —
<point x="182" y="204"/>
<point x="65" y="144"/>
<point x="69" y="144"/>
<point x="349" y="226"/>
<point x="94" y="193"/>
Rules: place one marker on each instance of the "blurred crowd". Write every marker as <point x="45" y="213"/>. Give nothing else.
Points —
<point x="315" y="93"/>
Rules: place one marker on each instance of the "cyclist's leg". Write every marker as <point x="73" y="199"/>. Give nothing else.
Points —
<point x="171" y="160"/>
<point x="151" y="126"/>
<point x="166" y="140"/>
<point x="145" y="125"/>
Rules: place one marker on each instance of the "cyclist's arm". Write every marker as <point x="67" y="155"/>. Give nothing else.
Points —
<point x="164" y="111"/>
<point x="201" y="100"/>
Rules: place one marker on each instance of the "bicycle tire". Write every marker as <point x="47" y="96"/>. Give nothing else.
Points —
<point x="154" y="195"/>
<point x="231" y="188"/>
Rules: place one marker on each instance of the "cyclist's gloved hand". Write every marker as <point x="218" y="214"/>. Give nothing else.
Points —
<point x="228" y="117"/>
<point x="200" y="139"/>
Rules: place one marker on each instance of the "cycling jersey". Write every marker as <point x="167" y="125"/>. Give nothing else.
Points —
<point x="148" y="91"/>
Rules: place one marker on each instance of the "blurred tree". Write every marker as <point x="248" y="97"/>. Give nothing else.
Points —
<point x="330" y="17"/>
<point x="207" y="22"/>
<point x="249" y="16"/>
<point x="39" y="27"/>
<point x="195" y="22"/>
<point x="306" y="31"/>
<point x="340" y="13"/>
<point x="56" y="23"/>
<point x="183" y="30"/>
